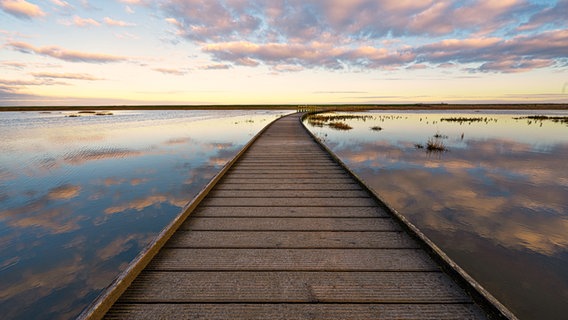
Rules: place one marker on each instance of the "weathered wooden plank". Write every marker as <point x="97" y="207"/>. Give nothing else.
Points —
<point x="295" y="311"/>
<point x="290" y="224"/>
<point x="295" y="287"/>
<point x="291" y="239"/>
<point x="290" y="212"/>
<point x="289" y="193"/>
<point x="262" y="170"/>
<point x="275" y="162"/>
<point x="293" y="260"/>
<point x="289" y="202"/>
<point x="284" y="166"/>
<point x="289" y="180"/>
<point x="275" y="176"/>
<point x="279" y="186"/>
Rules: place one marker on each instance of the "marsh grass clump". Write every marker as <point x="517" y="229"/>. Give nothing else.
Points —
<point x="468" y="120"/>
<point x="104" y="113"/>
<point x="435" y="145"/>
<point x="335" y="121"/>
<point x="463" y="119"/>
<point x="74" y="115"/>
<point x="337" y="125"/>
<point x="376" y="128"/>
<point x="557" y="119"/>
<point x="86" y="111"/>
<point x="337" y="117"/>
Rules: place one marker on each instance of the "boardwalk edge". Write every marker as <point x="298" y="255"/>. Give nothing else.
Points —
<point x="98" y="308"/>
<point x="479" y="294"/>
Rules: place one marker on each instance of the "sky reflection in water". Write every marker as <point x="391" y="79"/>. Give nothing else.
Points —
<point x="496" y="202"/>
<point x="80" y="197"/>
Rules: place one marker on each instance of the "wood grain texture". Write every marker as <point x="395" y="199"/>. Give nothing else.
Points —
<point x="295" y="311"/>
<point x="291" y="239"/>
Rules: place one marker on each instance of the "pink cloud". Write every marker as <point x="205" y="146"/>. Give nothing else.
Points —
<point x="61" y="4"/>
<point x="176" y="72"/>
<point x="367" y="34"/>
<point x="84" y="22"/>
<point x="21" y="9"/>
<point x="216" y="66"/>
<point x="72" y="76"/>
<point x="516" y="66"/>
<point x="64" y="54"/>
<point x="309" y="55"/>
<point x="117" y="23"/>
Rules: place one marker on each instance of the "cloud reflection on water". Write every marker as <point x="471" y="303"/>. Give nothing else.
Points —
<point x="77" y="211"/>
<point x="495" y="204"/>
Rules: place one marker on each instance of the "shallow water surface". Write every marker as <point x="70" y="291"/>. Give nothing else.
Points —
<point x="496" y="201"/>
<point x="80" y="197"/>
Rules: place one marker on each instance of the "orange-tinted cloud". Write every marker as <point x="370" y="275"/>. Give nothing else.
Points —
<point x="21" y="9"/>
<point x="64" y="54"/>
<point x="64" y="192"/>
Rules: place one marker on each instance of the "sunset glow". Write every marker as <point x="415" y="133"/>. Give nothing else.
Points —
<point x="56" y="52"/>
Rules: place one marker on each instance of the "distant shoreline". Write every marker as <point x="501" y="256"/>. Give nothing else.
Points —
<point x="346" y="107"/>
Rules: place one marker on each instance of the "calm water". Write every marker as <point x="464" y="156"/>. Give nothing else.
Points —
<point x="496" y="202"/>
<point x="81" y="197"/>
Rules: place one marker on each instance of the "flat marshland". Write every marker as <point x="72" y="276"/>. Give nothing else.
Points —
<point x="81" y="196"/>
<point x="487" y="186"/>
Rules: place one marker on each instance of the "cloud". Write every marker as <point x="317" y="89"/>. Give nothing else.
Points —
<point x="64" y="54"/>
<point x="117" y="23"/>
<point x="14" y="64"/>
<point x="99" y="154"/>
<point x="83" y="22"/>
<point x="176" y="72"/>
<point x="61" y="4"/>
<point x="21" y="9"/>
<point x="72" y="76"/>
<point x="518" y="54"/>
<point x="315" y="54"/>
<point x="138" y="204"/>
<point x="21" y="82"/>
<point x="216" y="66"/>
<point x="134" y="2"/>
<point x="64" y="192"/>
<point x="550" y="16"/>
<point x="367" y="34"/>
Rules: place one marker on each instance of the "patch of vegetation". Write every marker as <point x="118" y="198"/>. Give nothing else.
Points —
<point x="104" y="113"/>
<point x="435" y="145"/>
<point x="468" y="120"/>
<point x="74" y="115"/>
<point x="335" y="121"/>
<point x="557" y="119"/>
<point x="94" y="112"/>
<point x="339" y="125"/>
<point x="462" y="119"/>
<point x="376" y="128"/>
<point x="419" y="146"/>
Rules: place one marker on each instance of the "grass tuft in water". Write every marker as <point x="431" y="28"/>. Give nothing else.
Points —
<point x="340" y="126"/>
<point x="436" y="145"/>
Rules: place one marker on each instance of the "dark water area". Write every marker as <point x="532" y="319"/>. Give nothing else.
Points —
<point x="494" y="197"/>
<point x="80" y="197"/>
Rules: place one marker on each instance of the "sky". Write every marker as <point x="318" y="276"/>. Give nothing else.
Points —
<point x="142" y="52"/>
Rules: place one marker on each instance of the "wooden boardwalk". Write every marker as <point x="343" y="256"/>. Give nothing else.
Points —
<point x="289" y="234"/>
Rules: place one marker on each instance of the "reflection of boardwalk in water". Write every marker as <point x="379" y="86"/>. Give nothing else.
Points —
<point x="288" y="233"/>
